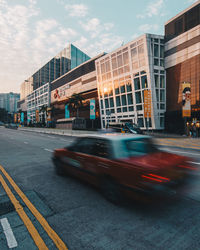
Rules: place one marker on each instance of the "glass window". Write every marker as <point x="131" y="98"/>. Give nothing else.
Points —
<point x="119" y="110"/>
<point x="161" y="62"/>
<point x="101" y="148"/>
<point x="162" y="81"/>
<point x="125" y="58"/>
<point x="157" y="95"/>
<point x="102" y="68"/>
<point x="135" y="65"/>
<point x="126" y="68"/>
<point x="144" y="82"/>
<point x="124" y="100"/>
<point x="124" y="109"/>
<point x="102" y="112"/>
<point x="162" y="121"/>
<point x="130" y="99"/>
<point x="115" y="73"/>
<point x="161" y="51"/>
<point x="162" y="72"/>
<point x="116" y="83"/>
<point x="106" y="103"/>
<point x="156" y="62"/>
<point x="118" y="102"/>
<point x="134" y="54"/>
<point x="162" y="95"/>
<point x="162" y="106"/>
<point x="121" y="70"/>
<point x="111" y="103"/>
<point x="140" y="122"/>
<point x="130" y="108"/>
<point x="141" y="50"/>
<point x="138" y="97"/>
<point x="139" y="107"/>
<point x="114" y="63"/>
<point x="155" y="40"/>
<point x="119" y="60"/>
<point x="156" y="81"/>
<point x="107" y="64"/>
<point x="122" y="87"/>
<point x="137" y="83"/>
<point x="156" y="50"/>
<point x="128" y="86"/>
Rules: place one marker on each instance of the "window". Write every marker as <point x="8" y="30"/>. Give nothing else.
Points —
<point x="130" y="99"/>
<point x="137" y="83"/>
<point x="156" y="81"/>
<point x="161" y="62"/>
<point x="161" y="51"/>
<point x="162" y="82"/>
<point x="156" y="50"/>
<point x="140" y="122"/>
<point x="125" y="58"/>
<point x="130" y="108"/>
<point x="124" y="100"/>
<point x="118" y="102"/>
<point x="106" y="103"/>
<point x="124" y="109"/>
<point x="138" y="97"/>
<point x="134" y="54"/>
<point x="157" y="95"/>
<point x="116" y="83"/>
<point x="128" y="86"/>
<point x="119" y="60"/>
<point x="141" y="50"/>
<point x="107" y="64"/>
<point x="102" y="68"/>
<point x="119" y="110"/>
<point x="156" y="62"/>
<point x="162" y="95"/>
<point x="122" y="87"/>
<point x="111" y="102"/>
<point x="114" y="63"/>
<point x="144" y="82"/>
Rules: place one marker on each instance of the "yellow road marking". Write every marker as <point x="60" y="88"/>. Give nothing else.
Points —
<point x="27" y="222"/>
<point x="52" y="234"/>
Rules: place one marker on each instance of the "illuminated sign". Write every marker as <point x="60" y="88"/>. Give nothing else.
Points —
<point x="92" y="109"/>
<point x="186" y="100"/>
<point x="147" y="103"/>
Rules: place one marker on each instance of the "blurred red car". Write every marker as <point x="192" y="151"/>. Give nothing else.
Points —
<point x="120" y="163"/>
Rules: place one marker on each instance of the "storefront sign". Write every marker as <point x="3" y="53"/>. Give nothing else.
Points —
<point x="48" y="114"/>
<point x="28" y="116"/>
<point x="92" y="109"/>
<point x="147" y="103"/>
<point x="67" y="114"/>
<point x="186" y="100"/>
<point x="60" y="93"/>
<point x="15" y="118"/>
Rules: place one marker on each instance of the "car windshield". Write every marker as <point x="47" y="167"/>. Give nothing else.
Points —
<point x="138" y="147"/>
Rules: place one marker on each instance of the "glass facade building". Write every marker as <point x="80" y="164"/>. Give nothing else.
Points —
<point x="69" y="58"/>
<point x="9" y="101"/>
<point x="124" y="75"/>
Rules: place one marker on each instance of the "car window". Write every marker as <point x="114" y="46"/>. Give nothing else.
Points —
<point x="102" y="149"/>
<point x="138" y="147"/>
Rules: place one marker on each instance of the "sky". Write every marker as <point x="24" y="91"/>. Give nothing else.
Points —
<point x="34" y="31"/>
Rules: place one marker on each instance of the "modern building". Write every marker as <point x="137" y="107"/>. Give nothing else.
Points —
<point x="80" y="80"/>
<point x="26" y="88"/>
<point x="69" y="58"/>
<point x="9" y="101"/>
<point x="182" y="64"/>
<point x="35" y="101"/>
<point x="126" y="75"/>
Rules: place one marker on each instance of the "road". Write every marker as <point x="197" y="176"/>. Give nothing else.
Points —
<point x="67" y="212"/>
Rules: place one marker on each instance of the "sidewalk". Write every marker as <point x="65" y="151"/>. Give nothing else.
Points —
<point x="68" y="132"/>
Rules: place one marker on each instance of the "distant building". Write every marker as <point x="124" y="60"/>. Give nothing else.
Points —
<point x="8" y="101"/>
<point x="126" y="75"/>
<point x="26" y="88"/>
<point x="182" y="64"/>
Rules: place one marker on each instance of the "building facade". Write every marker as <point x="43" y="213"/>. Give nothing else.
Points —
<point x="80" y="80"/>
<point x="69" y="58"/>
<point x="124" y="75"/>
<point x="182" y="63"/>
<point x="9" y="101"/>
<point x="35" y="101"/>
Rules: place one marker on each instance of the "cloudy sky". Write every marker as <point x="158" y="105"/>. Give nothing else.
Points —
<point x="34" y="31"/>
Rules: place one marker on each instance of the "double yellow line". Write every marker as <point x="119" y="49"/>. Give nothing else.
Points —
<point x="27" y="222"/>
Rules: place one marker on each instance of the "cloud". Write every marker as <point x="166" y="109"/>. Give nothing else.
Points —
<point x="77" y="10"/>
<point x="154" y="8"/>
<point x="148" y="27"/>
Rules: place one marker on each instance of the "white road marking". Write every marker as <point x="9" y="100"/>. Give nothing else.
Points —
<point x="65" y="140"/>
<point x="25" y="142"/>
<point x="181" y="152"/>
<point x="11" y="241"/>
<point x="49" y="150"/>
<point x="196" y="163"/>
<point x="51" y="136"/>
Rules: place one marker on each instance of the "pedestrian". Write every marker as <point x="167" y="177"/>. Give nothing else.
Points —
<point x="194" y="129"/>
<point x="191" y="131"/>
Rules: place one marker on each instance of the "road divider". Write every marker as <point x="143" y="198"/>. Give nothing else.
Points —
<point x="35" y="235"/>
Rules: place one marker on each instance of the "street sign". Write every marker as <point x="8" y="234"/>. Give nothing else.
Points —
<point x="147" y="103"/>
<point x="92" y="109"/>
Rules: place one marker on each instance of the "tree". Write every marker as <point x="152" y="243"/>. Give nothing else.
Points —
<point x="76" y="102"/>
<point x="43" y="110"/>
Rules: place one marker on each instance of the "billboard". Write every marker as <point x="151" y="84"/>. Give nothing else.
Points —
<point x="92" y="109"/>
<point x="15" y="118"/>
<point x="147" y="103"/>
<point x="186" y="100"/>
<point x="22" y="117"/>
<point x="67" y="114"/>
<point x="28" y="116"/>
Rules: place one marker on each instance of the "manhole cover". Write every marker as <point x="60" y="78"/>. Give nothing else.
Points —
<point x="6" y="207"/>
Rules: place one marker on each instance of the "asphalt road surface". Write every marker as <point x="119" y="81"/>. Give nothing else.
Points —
<point x="53" y="212"/>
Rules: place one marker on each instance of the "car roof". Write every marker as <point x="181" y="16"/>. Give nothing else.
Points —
<point x="115" y="136"/>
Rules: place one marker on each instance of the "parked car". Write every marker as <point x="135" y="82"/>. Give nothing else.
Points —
<point x="1" y="123"/>
<point x="118" y="164"/>
<point x="11" y="125"/>
<point x="124" y="127"/>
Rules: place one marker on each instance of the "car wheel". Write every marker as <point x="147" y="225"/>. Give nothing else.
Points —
<point x="111" y="190"/>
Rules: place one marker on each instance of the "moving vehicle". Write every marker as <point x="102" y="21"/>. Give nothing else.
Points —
<point x="11" y="125"/>
<point x="125" y="127"/>
<point x="120" y="163"/>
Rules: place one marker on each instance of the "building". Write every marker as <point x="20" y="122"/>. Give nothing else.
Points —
<point x="9" y="101"/>
<point x="182" y="63"/>
<point x="125" y="75"/>
<point x="69" y="58"/>
<point x="80" y="80"/>
<point x="26" y="88"/>
<point x="35" y="101"/>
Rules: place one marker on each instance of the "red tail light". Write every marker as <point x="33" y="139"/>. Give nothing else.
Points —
<point x="155" y="177"/>
<point x="188" y="167"/>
